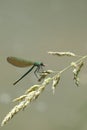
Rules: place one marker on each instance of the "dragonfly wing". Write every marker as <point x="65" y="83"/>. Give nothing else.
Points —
<point x="19" y="62"/>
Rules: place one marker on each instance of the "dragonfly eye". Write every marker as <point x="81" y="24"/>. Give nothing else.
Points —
<point x="42" y="64"/>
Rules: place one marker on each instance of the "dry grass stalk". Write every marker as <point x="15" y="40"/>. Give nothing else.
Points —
<point x="34" y="91"/>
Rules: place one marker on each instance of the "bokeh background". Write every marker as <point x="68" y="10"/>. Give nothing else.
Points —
<point x="29" y="29"/>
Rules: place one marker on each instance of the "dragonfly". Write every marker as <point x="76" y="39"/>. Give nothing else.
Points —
<point x="18" y="62"/>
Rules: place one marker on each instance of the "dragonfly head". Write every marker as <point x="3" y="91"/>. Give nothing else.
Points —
<point x="42" y="64"/>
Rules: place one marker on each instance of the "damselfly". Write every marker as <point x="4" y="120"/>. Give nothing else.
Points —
<point x="23" y="63"/>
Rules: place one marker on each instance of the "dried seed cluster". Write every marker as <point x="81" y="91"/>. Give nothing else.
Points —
<point x="62" y="53"/>
<point x="77" y="67"/>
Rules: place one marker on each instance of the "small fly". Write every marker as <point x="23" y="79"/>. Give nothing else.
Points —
<point x="23" y="63"/>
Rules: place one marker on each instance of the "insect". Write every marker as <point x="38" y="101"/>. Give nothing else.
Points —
<point x="24" y="63"/>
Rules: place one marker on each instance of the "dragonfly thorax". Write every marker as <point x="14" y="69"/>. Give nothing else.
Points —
<point x="39" y="64"/>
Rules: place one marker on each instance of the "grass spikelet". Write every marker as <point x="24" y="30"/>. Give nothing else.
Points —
<point x="77" y="68"/>
<point x="44" y="74"/>
<point x="40" y="90"/>
<point x="46" y="81"/>
<point x="21" y="98"/>
<point x="62" y="53"/>
<point x="56" y="80"/>
<point x="14" y="111"/>
<point x="33" y="88"/>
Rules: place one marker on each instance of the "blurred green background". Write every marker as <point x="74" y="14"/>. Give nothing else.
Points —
<point x="29" y="29"/>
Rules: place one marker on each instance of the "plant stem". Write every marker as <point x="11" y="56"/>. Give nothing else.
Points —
<point x="81" y="59"/>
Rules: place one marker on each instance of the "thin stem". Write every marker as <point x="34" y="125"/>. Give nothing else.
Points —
<point x="82" y="58"/>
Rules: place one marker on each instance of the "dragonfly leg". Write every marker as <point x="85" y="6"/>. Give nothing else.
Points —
<point x="36" y="71"/>
<point x="41" y="69"/>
